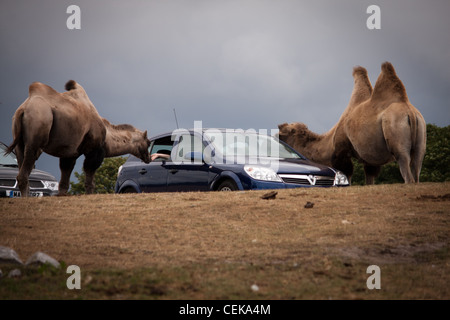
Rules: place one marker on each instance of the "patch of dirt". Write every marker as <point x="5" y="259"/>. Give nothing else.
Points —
<point x="382" y="223"/>
<point x="445" y="197"/>
<point x="389" y="255"/>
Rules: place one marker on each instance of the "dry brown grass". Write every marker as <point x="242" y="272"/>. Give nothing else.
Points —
<point x="402" y="228"/>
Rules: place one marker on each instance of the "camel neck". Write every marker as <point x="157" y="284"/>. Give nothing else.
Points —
<point x="118" y="142"/>
<point x="315" y="138"/>
<point x="318" y="147"/>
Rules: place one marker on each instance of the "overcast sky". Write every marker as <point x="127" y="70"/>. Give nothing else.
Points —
<point x="235" y="64"/>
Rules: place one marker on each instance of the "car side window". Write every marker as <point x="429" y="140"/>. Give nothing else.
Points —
<point x="162" y="145"/>
<point x="187" y="144"/>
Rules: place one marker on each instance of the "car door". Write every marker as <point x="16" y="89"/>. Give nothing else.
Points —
<point x="153" y="176"/>
<point x="187" y="172"/>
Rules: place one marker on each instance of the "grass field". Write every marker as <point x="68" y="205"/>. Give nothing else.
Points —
<point x="234" y="245"/>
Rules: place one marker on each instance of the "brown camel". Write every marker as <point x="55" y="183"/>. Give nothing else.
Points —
<point x="378" y="126"/>
<point x="67" y="125"/>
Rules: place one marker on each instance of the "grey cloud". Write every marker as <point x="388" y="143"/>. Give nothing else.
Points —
<point x="240" y="64"/>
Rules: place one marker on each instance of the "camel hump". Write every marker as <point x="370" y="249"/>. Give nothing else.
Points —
<point x="362" y="88"/>
<point x="359" y="71"/>
<point x="71" y="85"/>
<point x="389" y="86"/>
<point x="387" y="67"/>
<point x="75" y="89"/>
<point x="40" y="88"/>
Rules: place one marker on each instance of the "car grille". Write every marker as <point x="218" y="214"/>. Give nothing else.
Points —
<point x="8" y="182"/>
<point x="35" y="184"/>
<point x="296" y="181"/>
<point x="326" y="182"/>
<point x="308" y="180"/>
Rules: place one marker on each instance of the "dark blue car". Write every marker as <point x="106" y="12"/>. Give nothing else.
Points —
<point x="223" y="160"/>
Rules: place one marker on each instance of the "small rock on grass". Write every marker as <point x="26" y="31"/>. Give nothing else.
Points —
<point x="309" y="205"/>
<point x="8" y="255"/>
<point x="15" y="273"/>
<point x="269" y="195"/>
<point x="39" y="258"/>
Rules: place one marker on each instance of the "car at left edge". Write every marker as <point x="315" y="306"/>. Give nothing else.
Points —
<point x="41" y="183"/>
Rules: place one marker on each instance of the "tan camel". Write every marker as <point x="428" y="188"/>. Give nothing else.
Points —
<point x="67" y="125"/>
<point x="378" y="126"/>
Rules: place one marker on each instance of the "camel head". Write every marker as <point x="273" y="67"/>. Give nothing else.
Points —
<point x="124" y="138"/>
<point x="142" y="143"/>
<point x="294" y="134"/>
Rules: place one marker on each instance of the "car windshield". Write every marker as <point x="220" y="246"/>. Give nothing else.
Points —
<point x="9" y="160"/>
<point x="249" y="144"/>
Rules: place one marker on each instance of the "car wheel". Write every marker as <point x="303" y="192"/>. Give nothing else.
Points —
<point x="128" y="190"/>
<point x="227" y="185"/>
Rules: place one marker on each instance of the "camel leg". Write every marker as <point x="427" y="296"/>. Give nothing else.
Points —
<point x="343" y="163"/>
<point x="66" y="166"/>
<point x="371" y="173"/>
<point x="403" y="158"/>
<point x="397" y="134"/>
<point x="26" y="166"/>
<point x="419" y="149"/>
<point x="404" y="162"/>
<point x="92" y="162"/>
<point x="416" y="165"/>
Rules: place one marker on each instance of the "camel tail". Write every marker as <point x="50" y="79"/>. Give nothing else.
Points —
<point x="418" y="142"/>
<point x="17" y="131"/>
<point x="412" y="121"/>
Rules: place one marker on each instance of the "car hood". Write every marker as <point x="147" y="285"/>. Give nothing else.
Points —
<point x="298" y="166"/>
<point x="289" y="166"/>
<point x="12" y="172"/>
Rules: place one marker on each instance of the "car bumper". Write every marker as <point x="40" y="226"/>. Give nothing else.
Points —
<point x="15" y="193"/>
<point x="261" y="185"/>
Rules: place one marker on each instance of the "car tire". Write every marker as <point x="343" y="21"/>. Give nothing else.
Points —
<point x="227" y="185"/>
<point x="128" y="190"/>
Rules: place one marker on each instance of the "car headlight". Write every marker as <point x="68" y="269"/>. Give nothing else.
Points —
<point x="262" y="173"/>
<point x="51" y="185"/>
<point x="340" y="179"/>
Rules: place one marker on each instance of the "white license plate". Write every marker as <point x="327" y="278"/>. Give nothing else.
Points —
<point x="16" y="194"/>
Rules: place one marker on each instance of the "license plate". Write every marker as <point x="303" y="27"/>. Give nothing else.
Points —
<point x="16" y="194"/>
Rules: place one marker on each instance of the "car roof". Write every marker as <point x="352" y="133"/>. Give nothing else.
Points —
<point x="191" y="130"/>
